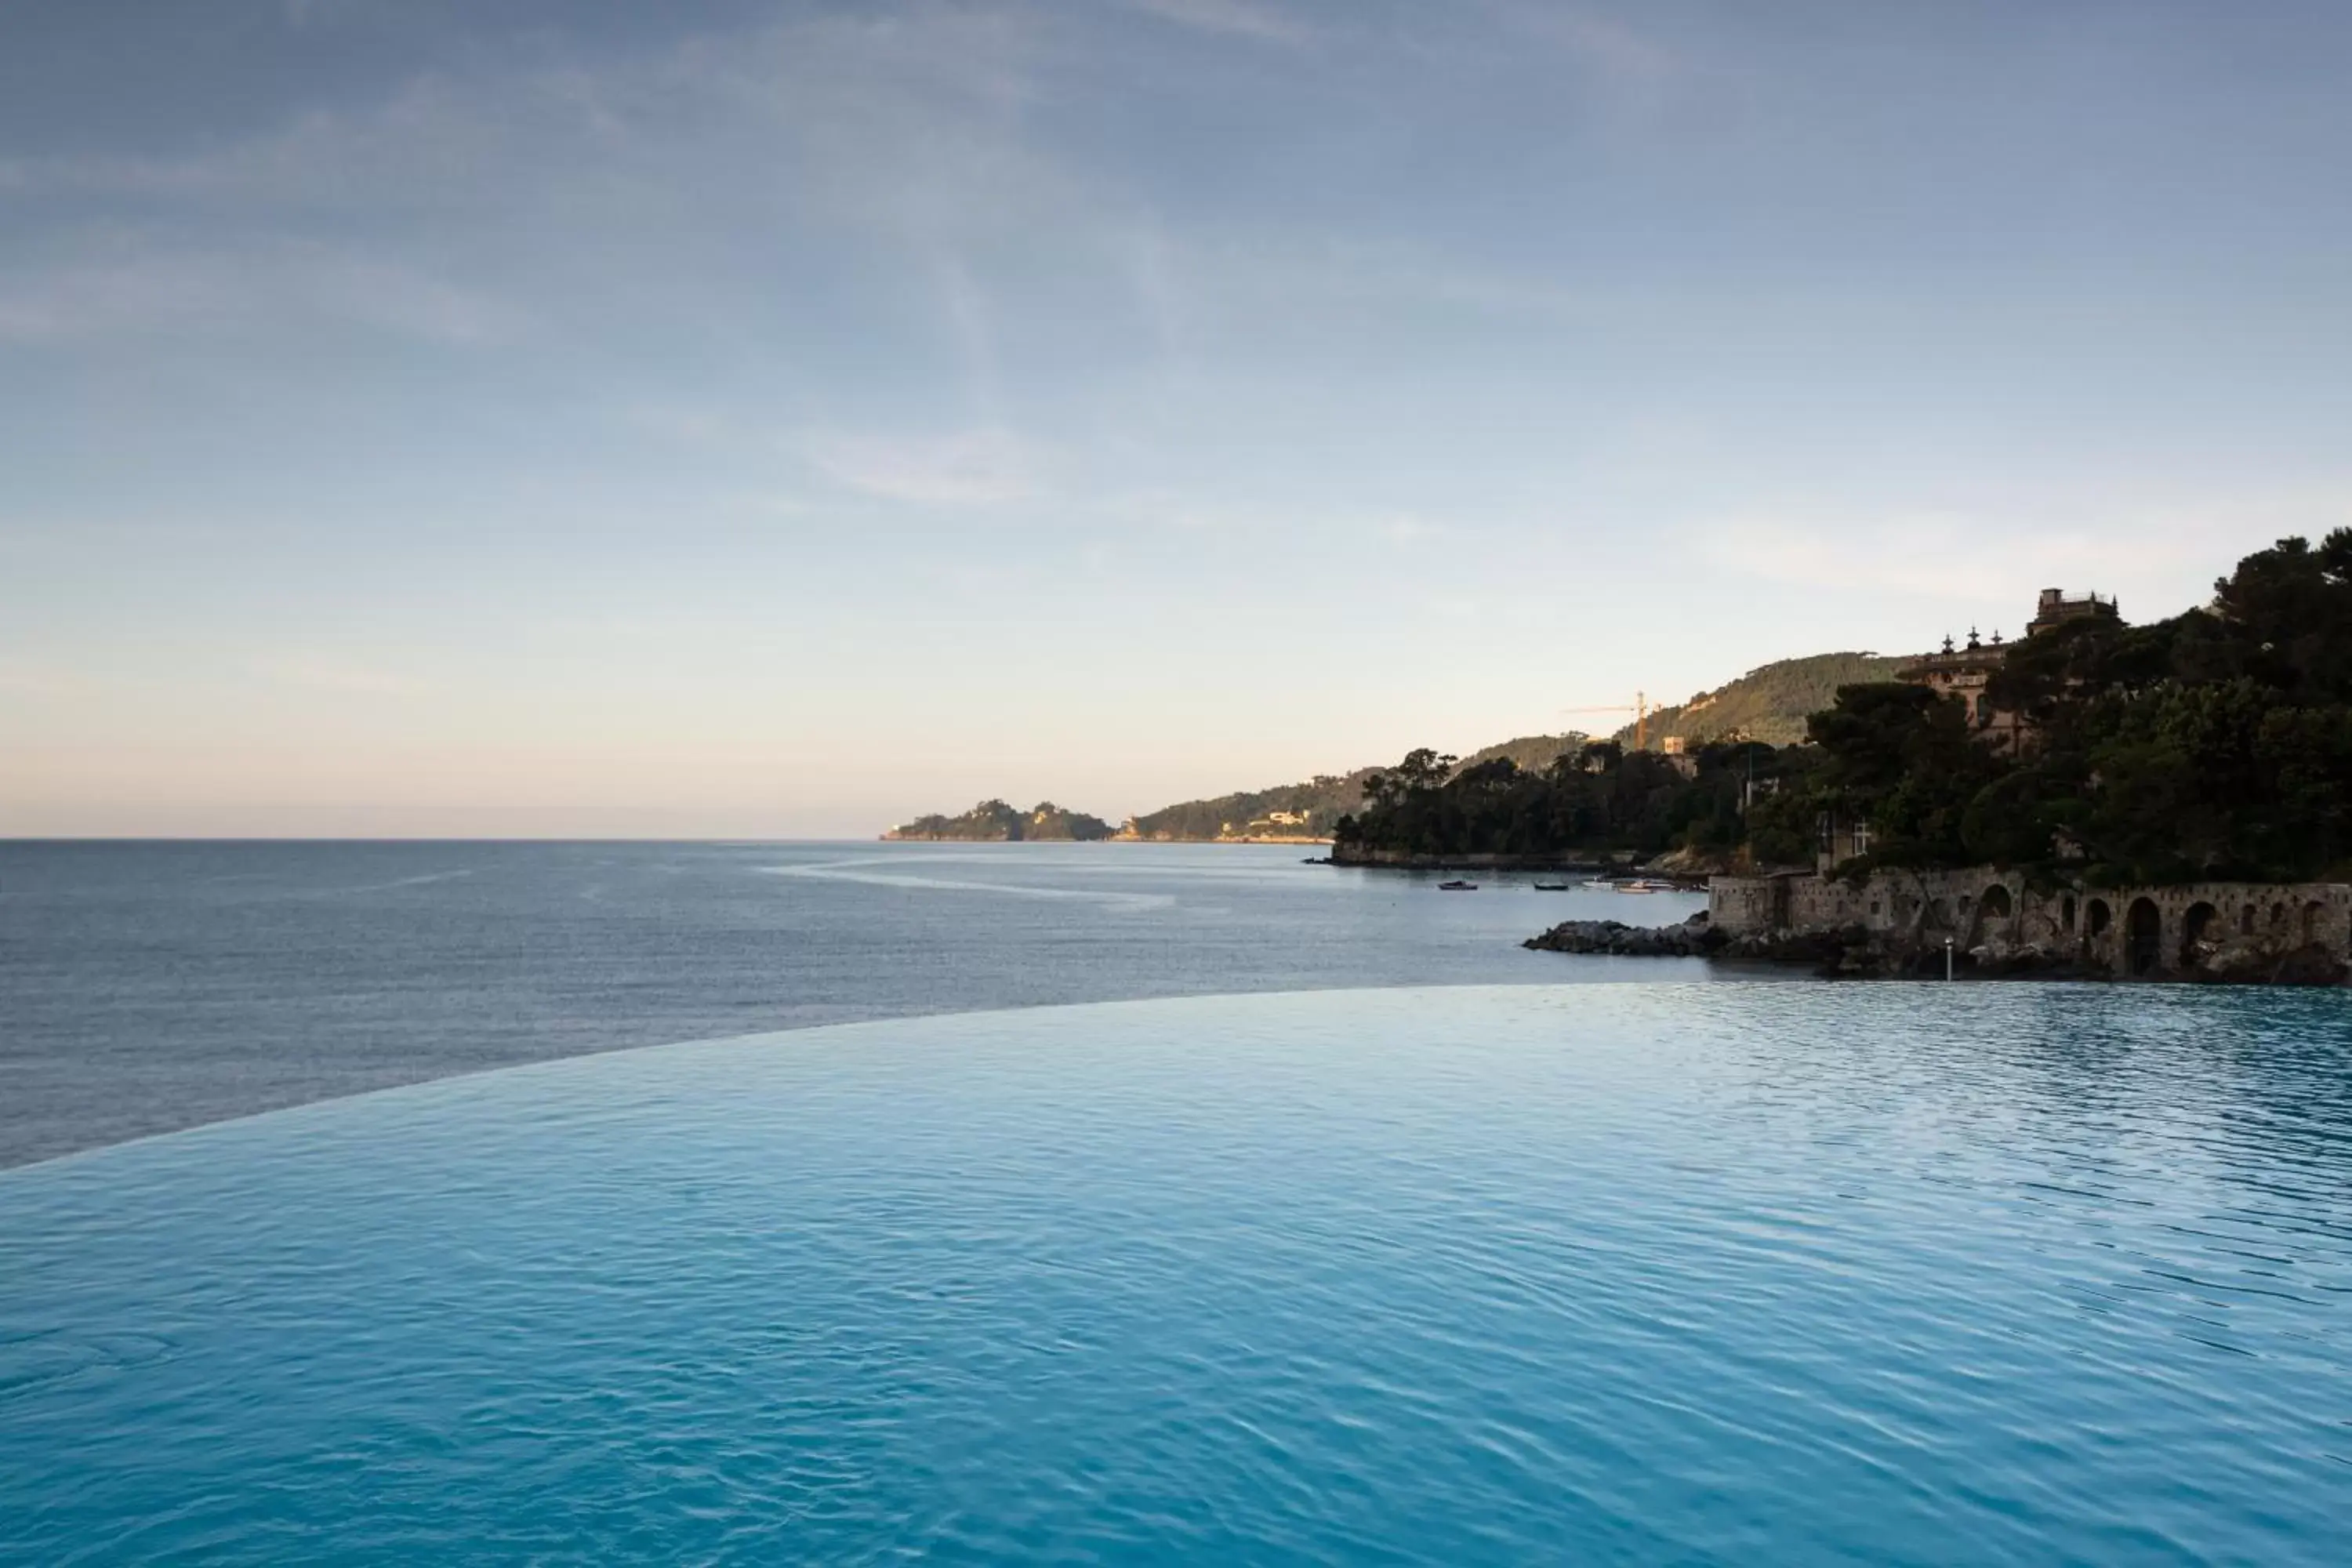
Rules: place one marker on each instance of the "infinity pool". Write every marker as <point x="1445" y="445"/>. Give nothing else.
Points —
<point x="1640" y="1273"/>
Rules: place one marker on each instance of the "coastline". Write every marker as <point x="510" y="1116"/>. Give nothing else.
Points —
<point x="1244" y="839"/>
<point x="895" y="837"/>
<point x="1407" y="860"/>
<point x="1857" y="952"/>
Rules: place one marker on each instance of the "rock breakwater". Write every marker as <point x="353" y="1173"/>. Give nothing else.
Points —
<point x="1694" y="938"/>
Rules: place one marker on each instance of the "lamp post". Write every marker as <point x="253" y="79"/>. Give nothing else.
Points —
<point x="1948" y="958"/>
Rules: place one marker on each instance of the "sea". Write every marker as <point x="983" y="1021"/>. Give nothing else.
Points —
<point x="759" y="1203"/>
<point x="146" y="987"/>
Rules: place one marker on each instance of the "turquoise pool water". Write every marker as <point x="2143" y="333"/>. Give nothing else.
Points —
<point x="1716" y="1273"/>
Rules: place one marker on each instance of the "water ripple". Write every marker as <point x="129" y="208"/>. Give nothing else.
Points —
<point x="1689" y="1274"/>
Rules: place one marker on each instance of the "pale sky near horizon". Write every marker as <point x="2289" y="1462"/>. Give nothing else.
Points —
<point x="456" y="416"/>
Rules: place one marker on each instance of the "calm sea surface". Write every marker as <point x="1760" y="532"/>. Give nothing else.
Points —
<point x="1660" y="1274"/>
<point x="145" y="987"/>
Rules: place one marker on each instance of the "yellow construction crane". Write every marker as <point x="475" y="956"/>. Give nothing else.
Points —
<point x="1640" y="711"/>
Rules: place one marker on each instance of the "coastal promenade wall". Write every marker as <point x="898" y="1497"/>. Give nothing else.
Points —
<point x="2195" y="930"/>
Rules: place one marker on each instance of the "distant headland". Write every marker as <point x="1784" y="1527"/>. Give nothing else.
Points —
<point x="992" y="821"/>
<point x="1769" y="704"/>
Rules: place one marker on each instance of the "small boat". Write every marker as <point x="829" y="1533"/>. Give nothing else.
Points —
<point x="1552" y="887"/>
<point x="1644" y="885"/>
<point x="1457" y="887"/>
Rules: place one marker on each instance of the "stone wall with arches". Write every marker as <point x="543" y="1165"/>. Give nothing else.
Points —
<point x="2248" y="930"/>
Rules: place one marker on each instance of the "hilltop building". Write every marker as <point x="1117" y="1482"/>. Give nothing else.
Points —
<point x="2054" y="609"/>
<point x="1963" y="672"/>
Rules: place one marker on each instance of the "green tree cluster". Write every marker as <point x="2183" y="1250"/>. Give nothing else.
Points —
<point x="1593" y="799"/>
<point x="2216" y="744"/>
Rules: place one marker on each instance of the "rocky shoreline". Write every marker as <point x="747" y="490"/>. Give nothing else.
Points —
<point x="1856" y="952"/>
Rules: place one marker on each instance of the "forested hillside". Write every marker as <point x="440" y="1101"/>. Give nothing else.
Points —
<point x="2214" y="745"/>
<point x="1315" y="808"/>
<point x="1530" y="753"/>
<point x="1770" y="703"/>
<point x="1312" y="808"/>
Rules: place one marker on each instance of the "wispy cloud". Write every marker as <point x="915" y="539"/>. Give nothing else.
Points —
<point x="902" y="126"/>
<point x="964" y="304"/>
<point x="1606" y="44"/>
<point x="1627" y="68"/>
<point x="1258" y="267"/>
<point x="698" y="425"/>
<point x="1345" y="526"/>
<point x="236" y="289"/>
<point x="313" y="13"/>
<point x="970" y="469"/>
<point x="1240" y="17"/>
<point x="908" y="115"/>
<point x="1406" y="529"/>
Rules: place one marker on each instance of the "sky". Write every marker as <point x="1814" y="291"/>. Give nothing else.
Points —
<point x="512" y="418"/>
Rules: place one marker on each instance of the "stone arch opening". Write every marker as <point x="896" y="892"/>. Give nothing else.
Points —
<point x="2278" y="917"/>
<point x="2246" y="921"/>
<point x="2066" y="914"/>
<point x="1992" y="913"/>
<point x="2200" y="927"/>
<point x="2143" y="938"/>
<point x="2098" y="917"/>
